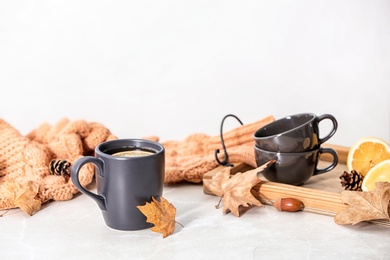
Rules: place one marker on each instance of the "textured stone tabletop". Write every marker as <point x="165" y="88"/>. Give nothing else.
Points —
<point x="75" y="229"/>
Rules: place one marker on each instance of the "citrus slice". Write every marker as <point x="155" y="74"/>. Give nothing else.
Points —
<point x="378" y="173"/>
<point x="366" y="153"/>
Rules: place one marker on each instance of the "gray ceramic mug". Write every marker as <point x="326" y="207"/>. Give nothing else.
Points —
<point x="294" y="168"/>
<point x="128" y="173"/>
<point x="295" y="133"/>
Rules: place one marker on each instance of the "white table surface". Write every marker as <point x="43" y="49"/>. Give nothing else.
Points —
<point x="75" y="229"/>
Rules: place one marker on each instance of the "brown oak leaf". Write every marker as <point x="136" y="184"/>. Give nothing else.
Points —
<point x="161" y="214"/>
<point x="365" y="206"/>
<point x="23" y="196"/>
<point x="235" y="191"/>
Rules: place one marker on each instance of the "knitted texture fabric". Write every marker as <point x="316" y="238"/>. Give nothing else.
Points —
<point x="27" y="158"/>
<point x="190" y="159"/>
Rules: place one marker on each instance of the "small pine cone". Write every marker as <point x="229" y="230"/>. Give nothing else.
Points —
<point x="352" y="181"/>
<point x="59" y="167"/>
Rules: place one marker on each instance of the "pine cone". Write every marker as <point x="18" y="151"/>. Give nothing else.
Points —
<point x="352" y="181"/>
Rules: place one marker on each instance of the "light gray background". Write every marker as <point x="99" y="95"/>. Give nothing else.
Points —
<point x="173" y="68"/>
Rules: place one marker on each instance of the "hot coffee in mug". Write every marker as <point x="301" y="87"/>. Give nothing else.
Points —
<point x="132" y="151"/>
<point x="129" y="172"/>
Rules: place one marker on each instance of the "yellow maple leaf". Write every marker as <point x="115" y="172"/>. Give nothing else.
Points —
<point x="161" y="214"/>
<point x="235" y="191"/>
<point x="23" y="196"/>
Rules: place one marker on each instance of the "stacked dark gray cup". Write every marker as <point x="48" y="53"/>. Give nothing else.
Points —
<point x="294" y="143"/>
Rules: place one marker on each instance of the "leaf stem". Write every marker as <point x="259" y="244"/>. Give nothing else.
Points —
<point x="1" y="215"/>
<point x="179" y="224"/>
<point x="219" y="202"/>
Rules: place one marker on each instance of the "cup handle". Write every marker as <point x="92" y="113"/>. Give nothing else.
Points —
<point x="334" y="163"/>
<point x="332" y="132"/>
<point x="100" y="200"/>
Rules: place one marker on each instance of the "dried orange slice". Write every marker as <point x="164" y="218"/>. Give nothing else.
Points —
<point x="366" y="153"/>
<point x="378" y="173"/>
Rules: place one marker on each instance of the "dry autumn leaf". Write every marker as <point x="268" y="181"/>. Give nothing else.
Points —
<point x="23" y="196"/>
<point x="235" y="191"/>
<point x="161" y="214"/>
<point x="365" y="206"/>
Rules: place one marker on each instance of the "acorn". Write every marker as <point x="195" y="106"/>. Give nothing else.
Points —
<point x="289" y="204"/>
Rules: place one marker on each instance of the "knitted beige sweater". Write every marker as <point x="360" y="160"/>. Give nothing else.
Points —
<point x="24" y="160"/>
<point x="190" y="159"/>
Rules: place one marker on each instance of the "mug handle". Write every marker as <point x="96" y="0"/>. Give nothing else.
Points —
<point x="334" y="163"/>
<point x="331" y="133"/>
<point x="100" y="200"/>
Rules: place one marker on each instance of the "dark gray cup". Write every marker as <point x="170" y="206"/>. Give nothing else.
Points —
<point x="123" y="183"/>
<point x="295" y="133"/>
<point x="293" y="168"/>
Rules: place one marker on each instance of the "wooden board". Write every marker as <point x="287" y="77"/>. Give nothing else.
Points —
<point x="321" y="194"/>
<point x="342" y="152"/>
